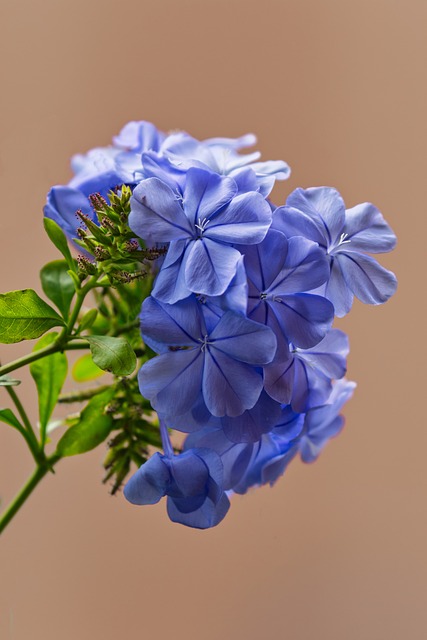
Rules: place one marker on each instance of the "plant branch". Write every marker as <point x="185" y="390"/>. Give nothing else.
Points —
<point x="27" y="490"/>
<point x="28" y="432"/>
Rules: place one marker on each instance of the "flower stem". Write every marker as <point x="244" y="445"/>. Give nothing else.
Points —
<point x="39" y="473"/>
<point x="28" y="433"/>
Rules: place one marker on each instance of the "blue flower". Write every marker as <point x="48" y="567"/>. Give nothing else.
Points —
<point x="192" y="482"/>
<point x="345" y="236"/>
<point x="180" y="152"/>
<point x="201" y="226"/>
<point x="253" y="463"/>
<point x="322" y="423"/>
<point x="304" y="378"/>
<point x="221" y="365"/>
<point x="279" y="270"/>
<point x="248" y="427"/>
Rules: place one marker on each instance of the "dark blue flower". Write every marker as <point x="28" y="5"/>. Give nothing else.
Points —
<point x="345" y="236"/>
<point x="192" y="482"/>
<point x="201" y="226"/>
<point x="221" y="365"/>
<point x="279" y="271"/>
<point x="304" y="379"/>
<point x="253" y="463"/>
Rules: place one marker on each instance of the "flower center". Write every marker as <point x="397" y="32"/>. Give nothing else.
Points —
<point x="205" y="342"/>
<point x="342" y="240"/>
<point x="201" y="226"/>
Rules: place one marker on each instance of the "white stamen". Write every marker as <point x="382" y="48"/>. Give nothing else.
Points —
<point x="202" y="224"/>
<point x="204" y="342"/>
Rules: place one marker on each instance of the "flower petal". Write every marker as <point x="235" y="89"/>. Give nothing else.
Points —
<point x="337" y="290"/>
<point x="61" y="206"/>
<point x="156" y="211"/>
<point x="324" y="206"/>
<point x="264" y="261"/>
<point x="210" y="267"/>
<point x="250" y="426"/>
<point x="170" y="285"/>
<point x="367" y="230"/>
<point x="205" y="193"/>
<point x="243" y="339"/>
<point x="208" y="515"/>
<point x="366" y="278"/>
<point x="305" y="319"/>
<point x="229" y="387"/>
<point x="172" y="381"/>
<point x="178" y="325"/>
<point x="148" y="484"/>
<point x="245" y="220"/>
<point x="306" y="268"/>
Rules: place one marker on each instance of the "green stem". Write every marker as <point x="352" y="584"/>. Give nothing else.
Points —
<point x="41" y="353"/>
<point x="28" y="433"/>
<point x="80" y="396"/>
<point x="27" y="490"/>
<point x="29" y="358"/>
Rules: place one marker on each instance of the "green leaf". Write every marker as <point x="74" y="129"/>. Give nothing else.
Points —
<point x="24" y="316"/>
<point x="112" y="354"/>
<point x="6" y="381"/>
<point x="59" y="239"/>
<point x="49" y="374"/>
<point x="7" y="416"/>
<point x="93" y="427"/>
<point x="57" y="284"/>
<point x="85" y="369"/>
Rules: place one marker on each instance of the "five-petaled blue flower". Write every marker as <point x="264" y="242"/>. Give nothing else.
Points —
<point x="346" y="236"/>
<point x="201" y="225"/>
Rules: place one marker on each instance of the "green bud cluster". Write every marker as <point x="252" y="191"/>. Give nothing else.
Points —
<point x="136" y="427"/>
<point x="111" y="242"/>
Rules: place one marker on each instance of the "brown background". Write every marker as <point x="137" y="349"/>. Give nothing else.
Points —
<point x="337" y="550"/>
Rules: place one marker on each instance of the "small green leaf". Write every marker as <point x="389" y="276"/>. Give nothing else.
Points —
<point x="24" y="316"/>
<point x="93" y="427"/>
<point x="88" y="319"/>
<point x="85" y="369"/>
<point x="6" y="381"/>
<point x="49" y="374"/>
<point x="112" y="354"/>
<point x="58" y="285"/>
<point x="59" y="239"/>
<point x="7" y="416"/>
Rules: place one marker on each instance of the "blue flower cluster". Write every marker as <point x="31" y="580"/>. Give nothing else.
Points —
<point x="241" y="310"/>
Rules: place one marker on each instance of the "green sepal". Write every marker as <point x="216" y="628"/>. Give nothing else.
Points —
<point x="58" y="285"/>
<point x="24" y="316"/>
<point x="59" y="239"/>
<point x="93" y="427"/>
<point x="112" y="354"/>
<point x="49" y="374"/>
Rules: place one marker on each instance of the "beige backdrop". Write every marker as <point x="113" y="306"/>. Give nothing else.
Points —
<point x="337" y="550"/>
